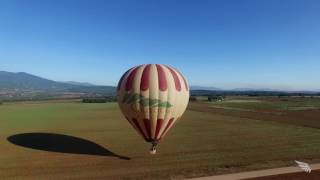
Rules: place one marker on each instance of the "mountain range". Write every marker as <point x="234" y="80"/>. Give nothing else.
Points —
<point x="22" y="81"/>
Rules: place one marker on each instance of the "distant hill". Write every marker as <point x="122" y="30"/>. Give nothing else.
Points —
<point x="79" y="83"/>
<point x="253" y="89"/>
<point x="24" y="81"/>
<point x="204" y="88"/>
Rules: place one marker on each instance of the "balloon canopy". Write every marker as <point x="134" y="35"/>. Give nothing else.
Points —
<point x="152" y="97"/>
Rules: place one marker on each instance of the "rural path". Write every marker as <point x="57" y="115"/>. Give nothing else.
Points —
<point x="258" y="173"/>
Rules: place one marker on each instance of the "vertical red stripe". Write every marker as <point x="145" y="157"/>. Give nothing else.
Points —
<point x="145" y="78"/>
<point x="168" y="125"/>
<point x="135" y="121"/>
<point x="159" y="125"/>
<point x="176" y="79"/>
<point x="130" y="79"/>
<point x="147" y="126"/>
<point x="185" y="82"/>
<point x="161" y="78"/>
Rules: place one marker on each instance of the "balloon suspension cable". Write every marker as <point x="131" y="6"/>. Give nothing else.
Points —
<point x="153" y="149"/>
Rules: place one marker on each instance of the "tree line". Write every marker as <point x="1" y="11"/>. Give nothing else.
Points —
<point x="99" y="99"/>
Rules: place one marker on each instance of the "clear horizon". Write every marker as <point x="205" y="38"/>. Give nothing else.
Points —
<point x="223" y="44"/>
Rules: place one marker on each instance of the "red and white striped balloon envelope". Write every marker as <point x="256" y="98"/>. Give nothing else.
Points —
<point x="152" y="97"/>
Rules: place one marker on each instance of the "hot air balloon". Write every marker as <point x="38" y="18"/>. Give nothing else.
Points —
<point x="152" y="98"/>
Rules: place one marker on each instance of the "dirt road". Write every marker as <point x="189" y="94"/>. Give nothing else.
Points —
<point x="259" y="173"/>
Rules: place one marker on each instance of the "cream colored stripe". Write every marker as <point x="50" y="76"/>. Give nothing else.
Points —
<point x="163" y="96"/>
<point x="171" y="95"/>
<point x="139" y="112"/>
<point x="154" y="94"/>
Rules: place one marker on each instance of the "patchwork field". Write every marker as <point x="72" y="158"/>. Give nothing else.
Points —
<point x="269" y="103"/>
<point x="296" y="110"/>
<point x="72" y="140"/>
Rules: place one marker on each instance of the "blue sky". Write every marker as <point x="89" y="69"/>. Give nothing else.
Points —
<point x="225" y="44"/>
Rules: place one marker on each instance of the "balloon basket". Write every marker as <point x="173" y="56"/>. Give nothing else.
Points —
<point x="153" y="149"/>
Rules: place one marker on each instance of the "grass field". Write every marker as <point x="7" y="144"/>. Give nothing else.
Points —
<point x="93" y="141"/>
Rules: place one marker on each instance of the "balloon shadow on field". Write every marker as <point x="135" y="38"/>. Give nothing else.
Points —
<point x="61" y="143"/>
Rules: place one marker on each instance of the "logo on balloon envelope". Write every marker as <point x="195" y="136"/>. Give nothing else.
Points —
<point x="134" y="98"/>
